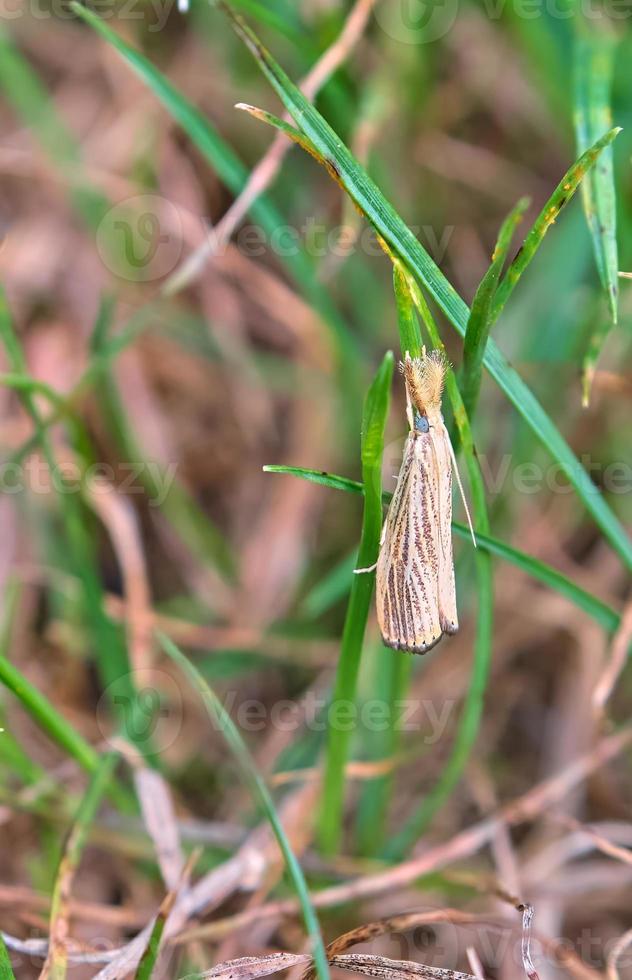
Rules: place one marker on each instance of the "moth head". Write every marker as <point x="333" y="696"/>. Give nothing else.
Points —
<point x="425" y="378"/>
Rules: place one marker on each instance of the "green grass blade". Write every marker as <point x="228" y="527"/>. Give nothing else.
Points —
<point x="480" y="320"/>
<point x="593" y="62"/>
<point x="152" y="952"/>
<point x="149" y="959"/>
<point x="229" y="168"/>
<point x="110" y="650"/>
<point x="179" y="508"/>
<point x="591" y="357"/>
<point x="603" y="614"/>
<point x="577" y="172"/>
<point x="407" y="323"/>
<point x="30" y="100"/>
<point x="57" y="960"/>
<point x="47" y="717"/>
<point x="317" y="476"/>
<point x="470" y="718"/>
<point x="333" y="587"/>
<point x="338" y="740"/>
<point x="394" y="674"/>
<point x="6" y="970"/>
<point x="403" y="243"/>
<point x="231" y="733"/>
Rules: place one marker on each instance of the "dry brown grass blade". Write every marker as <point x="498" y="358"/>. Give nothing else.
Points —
<point x="257" y="859"/>
<point x="383" y="968"/>
<point x="612" y="971"/>
<point x="619" y="649"/>
<point x="475" y="964"/>
<point x="527" y="807"/>
<point x="600" y="842"/>
<point x="160" y="820"/>
<point x="251" y="967"/>
<point x="119" y="517"/>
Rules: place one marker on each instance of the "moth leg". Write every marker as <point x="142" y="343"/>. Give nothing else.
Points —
<point x="371" y="568"/>
<point x="363" y="571"/>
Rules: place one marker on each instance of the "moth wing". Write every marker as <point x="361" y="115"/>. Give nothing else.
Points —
<point x="447" y="592"/>
<point x="407" y="581"/>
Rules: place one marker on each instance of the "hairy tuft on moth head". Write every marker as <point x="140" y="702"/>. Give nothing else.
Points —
<point x="425" y="378"/>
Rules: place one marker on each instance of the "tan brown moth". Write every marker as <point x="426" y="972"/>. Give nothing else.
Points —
<point x="416" y="598"/>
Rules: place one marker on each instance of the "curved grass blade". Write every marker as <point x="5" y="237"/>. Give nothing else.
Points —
<point x="471" y="714"/>
<point x="407" y="323"/>
<point x="387" y="222"/>
<point x="591" y="358"/>
<point x="593" y="67"/>
<point x="56" y="965"/>
<point x="338" y="741"/>
<point x="6" y="970"/>
<point x="30" y="100"/>
<point x="549" y="214"/>
<point x="220" y="716"/>
<point x="57" y="728"/>
<point x="333" y="587"/>
<point x="319" y="476"/>
<point x="480" y="319"/>
<point x="603" y="614"/>
<point x="229" y="168"/>
<point x="177" y="505"/>
<point x="110" y="650"/>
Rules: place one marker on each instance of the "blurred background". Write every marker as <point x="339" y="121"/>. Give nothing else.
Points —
<point x="175" y="341"/>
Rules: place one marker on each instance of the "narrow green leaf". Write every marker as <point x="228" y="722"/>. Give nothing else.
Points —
<point x="318" y="476"/>
<point x="333" y="587"/>
<point x="229" y="168"/>
<point x="603" y="614"/>
<point x="280" y="124"/>
<point x="6" y="970"/>
<point x="480" y="319"/>
<point x="57" y="961"/>
<point x="150" y="956"/>
<point x="47" y="717"/>
<point x="338" y="738"/>
<point x="391" y="687"/>
<point x="471" y="714"/>
<point x="549" y="214"/>
<point x="110" y="649"/>
<point x="591" y="357"/>
<point x="177" y="505"/>
<point x="30" y="100"/>
<point x="220" y="716"/>
<point x="407" y="323"/>
<point x="401" y="240"/>
<point x="593" y="63"/>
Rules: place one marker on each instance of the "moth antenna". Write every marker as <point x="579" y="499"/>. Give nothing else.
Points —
<point x="462" y="492"/>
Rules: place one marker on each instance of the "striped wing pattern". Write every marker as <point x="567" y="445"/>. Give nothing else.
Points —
<point x="416" y="601"/>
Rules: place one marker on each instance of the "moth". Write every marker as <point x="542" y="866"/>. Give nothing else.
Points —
<point x="415" y="591"/>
